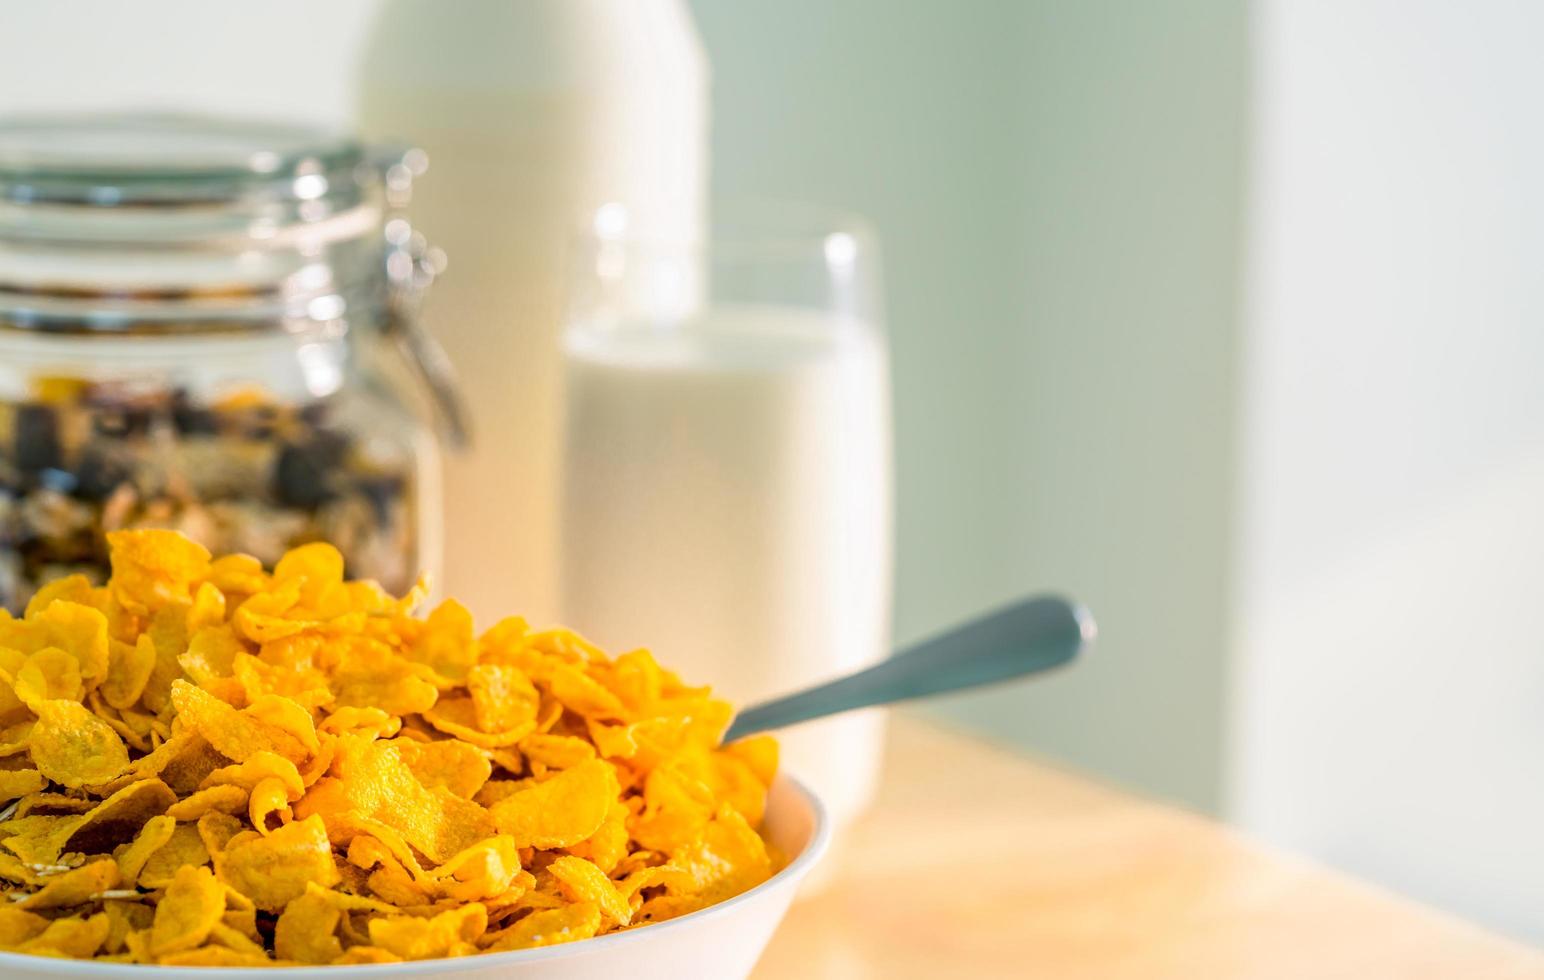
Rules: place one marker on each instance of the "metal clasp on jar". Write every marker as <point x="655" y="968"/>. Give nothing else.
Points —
<point x="412" y="265"/>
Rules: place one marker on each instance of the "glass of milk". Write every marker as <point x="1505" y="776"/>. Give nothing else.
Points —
<point x="726" y="465"/>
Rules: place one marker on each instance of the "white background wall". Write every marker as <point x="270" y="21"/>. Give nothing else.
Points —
<point x="1391" y="627"/>
<point x="286" y="58"/>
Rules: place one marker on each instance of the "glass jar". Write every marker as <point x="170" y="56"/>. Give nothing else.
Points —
<point x="195" y="324"/>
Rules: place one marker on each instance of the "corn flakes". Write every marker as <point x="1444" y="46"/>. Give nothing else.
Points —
<point x="209" y="765"/>
<point x="188" y="912"/>
<point x="73" y="747"/>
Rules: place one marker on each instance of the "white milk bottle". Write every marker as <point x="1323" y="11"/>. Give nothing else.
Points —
<point x="727" y="495"/>
<point x="534" y="114"/>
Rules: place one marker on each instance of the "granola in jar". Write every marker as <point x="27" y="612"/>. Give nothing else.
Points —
<point x="243" y="473"/>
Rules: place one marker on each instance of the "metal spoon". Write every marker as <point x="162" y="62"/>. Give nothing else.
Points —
<point x="1028" y="637"/>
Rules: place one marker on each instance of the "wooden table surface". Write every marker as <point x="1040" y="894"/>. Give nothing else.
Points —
<point x="980" y="863"/>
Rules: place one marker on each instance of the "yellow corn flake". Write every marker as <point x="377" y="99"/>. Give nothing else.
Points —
<point x="168" y="632"/>
<point x="208" y="608"/>
<point x="637" y="679"/>
<point x="49" y="674"/>
<point x="269" y="806"/>
<point x="759" y="752"/>
<point x="548" y="928"/>
<point x="73" y="747"/>
<point x="509" y="759"/>
<point x="389" y="868"/>
<point x="313" y="771"/>
<point x="668" y="876"/>
<point x="114" y="819"/>
<point x="727" y="858"/>
<point x="306" y="686"/>
<point x="292" y="769"/>
<point x="732" y="780"/>
<point x="372" y="676"/>
<point x="358" y="955"/>
<point x="73" y="887"/>
<point x="274" y="869"/>
<point x="220" y="830"/>
<point x="371" y="779"/>
<point x="211" y="654"/>
<point x="284" y="716"/>
<point x="582" y="881"/>
<point x="453" y="764"/>
<point x="80" y="631"/>
<point x="214" y="956"/>
<point x="608" y="845"/>
<point x="560" y="811"/>
<point x="152" y="837"/>
<point x="557" y="751"/>
<point x="71" y="588"/>
<point x="676" y="808"/>
<point x="484" y="871"/>
<point x="613" y="741"/>
<point x="445" y="642"/>
<point x="14" y="738"/>
<point x="129" y="666"/>
<point x="583" y="695"/>
<point x="260" y="767"/>
<point x="306" y="931"/>
<point x="394" y="885"/>
<point x="12" y="708"/>
<point x="123" y="918"/>
<point x="184" y="847"/>
<point x="318" y="567"/>
<point x="72" y="937"/>
<point x="503" y="698"/>
<point x="29" y="838"/>
<point x="266" y="616"/>
<point x="240" y="918"/>
<point x="240" y="575"/>
<point x="239" y="938"/>
<point x="141" y="723"/>
<point x="370" y="841"/>
<point x="183" y="762"/>
<point x="345" y="902"/>
<point x="19" y="783"/>
<point x="218" y="799"/>
<point x="17" y="926"/>
<point x="350" y="720"/>
<point x="279" y="726"/>
<point x="566" y="646"/>
<point x="135" y="741"/>
<point x="447" y="934"/>
<point x="51" y="804"/>
<point x="188" y="912"/>
<point x="17" y="634"/>
<point x="153" y="569"/>
<point x="457" y="717"/>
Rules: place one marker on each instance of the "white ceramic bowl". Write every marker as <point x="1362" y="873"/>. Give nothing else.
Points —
<point x="723" y="941"/>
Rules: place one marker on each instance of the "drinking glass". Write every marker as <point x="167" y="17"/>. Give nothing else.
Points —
<point x="727" y="464"/>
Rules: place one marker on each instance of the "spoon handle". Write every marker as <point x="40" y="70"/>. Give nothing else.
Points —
<point x="1026" y="637"/>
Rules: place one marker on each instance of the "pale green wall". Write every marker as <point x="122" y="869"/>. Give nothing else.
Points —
<point x="1057" y="186"/>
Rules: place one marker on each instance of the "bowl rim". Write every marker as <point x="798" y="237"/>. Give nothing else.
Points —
<point x="789" y="875"/>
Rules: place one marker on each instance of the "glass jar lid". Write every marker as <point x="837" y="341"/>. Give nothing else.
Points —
<point x="152" y="224"/>
<point x="172" y="160"/>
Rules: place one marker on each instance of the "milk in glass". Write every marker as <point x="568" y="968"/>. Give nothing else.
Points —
<point x="727" y="503"/>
